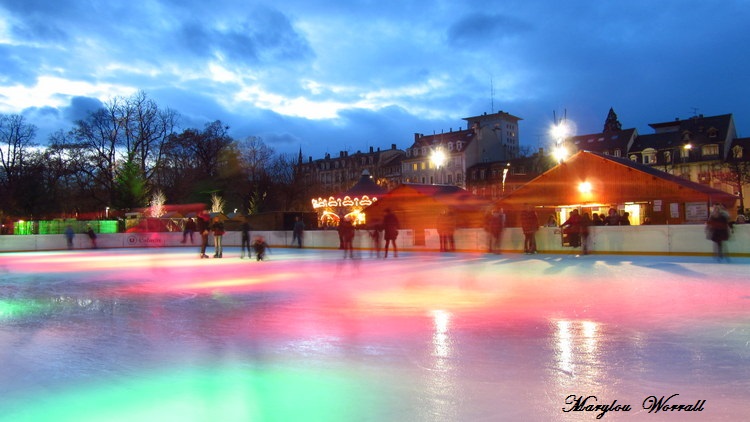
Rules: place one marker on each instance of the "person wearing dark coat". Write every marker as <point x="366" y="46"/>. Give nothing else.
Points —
<point x="245" y="240"/>
<point x="260" y="247"/>
<point x="92" y="236"/>
<point x="529" y="225"/>
<point x="717" y="230"/>
<point x="202" y="227"/>
<point x="446" y="228"/>
<point x="190" y="228"/>
<point x="298" y="231"/>
<point x="218" y="229"/>
<point x="390" y="229"/>
<point x="346" y="233"/>
<point x="494" y="227"/>
<point x="376" y="231"/>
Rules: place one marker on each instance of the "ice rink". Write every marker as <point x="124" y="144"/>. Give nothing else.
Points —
<point x="160" y="335"/>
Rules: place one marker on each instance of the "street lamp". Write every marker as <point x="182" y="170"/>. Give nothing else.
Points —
<point x="438" y="158"/>
<point x="559" y="132"/>
<point x="505" y="174"/>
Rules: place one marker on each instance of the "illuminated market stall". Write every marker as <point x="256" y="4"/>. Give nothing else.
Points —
<point x="350" y="203"/>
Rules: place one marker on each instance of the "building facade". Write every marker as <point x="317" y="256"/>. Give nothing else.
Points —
<point x="330" y="175"/>
<point x="444" y="158"/>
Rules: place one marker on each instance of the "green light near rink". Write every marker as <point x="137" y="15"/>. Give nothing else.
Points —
<point x="59" y="226"/>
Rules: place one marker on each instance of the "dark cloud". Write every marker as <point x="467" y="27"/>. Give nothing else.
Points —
<point x="478" y="30"/>
<point x="80" y="108"/>
<point x="265" y="36"/>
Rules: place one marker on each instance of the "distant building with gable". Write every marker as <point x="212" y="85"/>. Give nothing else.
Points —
<point x="445" y="157"/>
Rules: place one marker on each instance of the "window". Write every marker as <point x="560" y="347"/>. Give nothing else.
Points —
<point x="415" y="166"/>
<point x="450" y="146"/>
<point x="712" y="132"/>
<point x="668" y="156"/>
<point x="737" y="151"/>
<point x="459" y="145"/>
<point x="649" y="156"/>
<point x="633" y="157"/>
<point x="618" y="152"/>
<point x="710" y="150"/>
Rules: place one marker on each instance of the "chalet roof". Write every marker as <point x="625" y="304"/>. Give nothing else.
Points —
<point x="365" y="186"/>
<point x="613" y="181"/>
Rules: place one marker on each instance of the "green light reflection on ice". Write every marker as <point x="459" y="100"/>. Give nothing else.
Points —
<point x="226" y="394"/>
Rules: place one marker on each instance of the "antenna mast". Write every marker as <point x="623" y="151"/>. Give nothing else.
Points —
<point x="492" y="96"/>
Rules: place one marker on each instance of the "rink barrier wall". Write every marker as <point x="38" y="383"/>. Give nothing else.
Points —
<point x="626" y="240"/>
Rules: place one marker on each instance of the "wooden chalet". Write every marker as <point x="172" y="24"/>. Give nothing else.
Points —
<point x="596" y="182"/>
<point x="417" y="207"/>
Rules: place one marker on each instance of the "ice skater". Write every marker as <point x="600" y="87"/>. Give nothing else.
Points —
<point x="69" y="235"/>
<point x="92" y="236"/>
<point x="203" y="230"/>
<point x="390" y="228"/>
<point x="717" y="230"/>
<point x="245" y="245"/>
<point x="260" y="247"/>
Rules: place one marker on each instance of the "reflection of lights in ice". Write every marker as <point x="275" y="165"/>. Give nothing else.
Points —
<point x="578" y="342"/>
<point x="565" y="348"/>
<point x="440" y="339"/>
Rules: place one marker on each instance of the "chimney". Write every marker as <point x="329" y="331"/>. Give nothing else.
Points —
<point x="371" y="150"/>
<point x="393" y="146"/>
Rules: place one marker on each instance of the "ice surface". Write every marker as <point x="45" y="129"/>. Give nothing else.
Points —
<point x="158" y="334"/>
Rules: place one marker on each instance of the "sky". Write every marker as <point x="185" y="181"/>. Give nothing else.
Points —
<point x="326" y="76"/>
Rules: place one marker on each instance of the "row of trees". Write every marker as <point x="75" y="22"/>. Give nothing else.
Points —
<point x="131" y="148"/>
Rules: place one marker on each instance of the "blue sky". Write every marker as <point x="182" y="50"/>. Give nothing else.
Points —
<point x="328" y="76"/>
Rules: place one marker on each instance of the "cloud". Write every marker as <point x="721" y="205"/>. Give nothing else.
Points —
<point x="80" y="108"/>
<point x="482" y="29"/>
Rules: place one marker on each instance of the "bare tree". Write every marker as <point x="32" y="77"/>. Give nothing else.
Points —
<point x="16" y="143"/>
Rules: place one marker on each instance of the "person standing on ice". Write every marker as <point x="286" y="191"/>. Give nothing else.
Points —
<point x="69" y="235"/>
<point x="717" y="230"/>
<point x="390" y="228"/>
<point x="218" y="228"/>
<point x="298" y="231"/>
<point x="245" y="244"/>
<point x="494" y="227"/>
<point x="92" y="236"/>
<point x="529" y="225"/>
<point x="203" y="230"/>
<point x="346" y="233"/>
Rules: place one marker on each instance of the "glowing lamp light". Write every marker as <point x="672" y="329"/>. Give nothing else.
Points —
<point x="438" y="158"/>
<point x="584" y="187"/>
<point x="560" y="153"/>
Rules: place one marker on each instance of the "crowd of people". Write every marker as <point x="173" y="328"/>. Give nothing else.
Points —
<point x="574" y="232"/>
